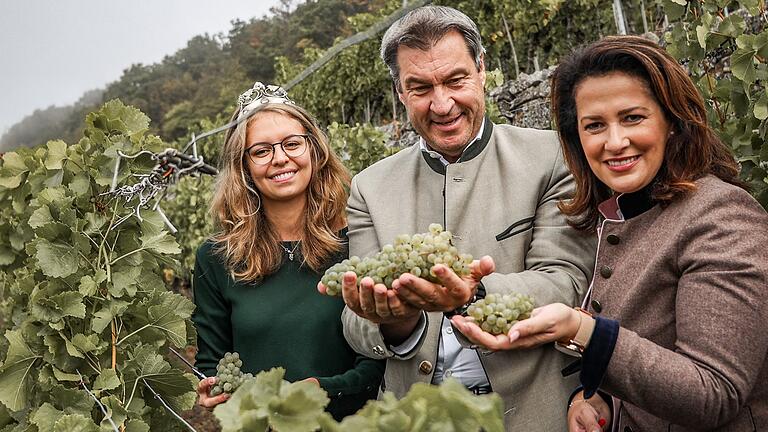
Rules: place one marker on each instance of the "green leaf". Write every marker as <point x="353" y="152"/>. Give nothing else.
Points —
<point x="13" y="170"/>
<point x="761" y="107"/>
<point x="75" y="423"/>
<point x="124" y="282"/>
<point x="300" y="405"/>
<point x="102" y="318"/>
<point x="15" y="374"/>
<point x="45" y="417"/>
<point x="57" y="153"/>
<point x="115" y="411"/>
<point x="80" y="184"/>
<point x="73" y="400"/>
<point x="743" y="65"/>
<point x="701" y="34"/>
<point x="88" y="343"/>
<point x="160" y="243"/>
<point x="732" y="26"/>
<point x="135" y="425"/>
<point x="55" y="307"/>
<point x="56" y="259"/>
<point x="40" y="217"/>
<point x="107" y="380"/>
<point x="88" y="286"/>
<point x="63" y="376"/>
<point x="674" y="9"/>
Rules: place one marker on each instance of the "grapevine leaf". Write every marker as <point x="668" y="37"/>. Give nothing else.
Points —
<point x="73" y="400"/>
<point x="177" y="402"/>
<point x="102" y="317"/>
<point x="80" y="184"/>
<point x="40" y="217"/>
<point x="136" y="425"/>
<point x="85" y="343"/>
<point x="124" y="282"/>
<point x="56" y="259"/>
<point x="57" y="153"/>
<point x="70" y="303"/>
<point x="13" y="170"/>
<point x="732" y="26"/>
<point x="240" y="413"/>
<point x="75" y="423"/>
<point x="107" y="380"/>
<point x="702" y="32"/>
<point x="115" y="411"/>
<point x="17" y="347"/>
<point x="753" y="6"/>
<point x="761" y="107"/>
<point x="71" y="348"/>
<point x="299" y="406"/>
<point x="56" y="307"/>
<point x="56" y="197"/>
<point x="63" y="376"/>
<point x="160" y="243"/>
<point x="15" y="383"/>
<point x="742" y="64"/>
<point x="87" y="286"/>
<point x="45" y="417"/>
<point x="760" y="44"/>
<point x="5" y="416"/>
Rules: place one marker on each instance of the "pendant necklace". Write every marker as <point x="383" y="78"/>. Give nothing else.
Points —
<point x="290" y="251"/>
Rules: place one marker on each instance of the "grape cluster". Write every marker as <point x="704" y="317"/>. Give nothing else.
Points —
<point x="229" y="374"/>
<point x="414" y="254"/>
<point x="496" y="313"/>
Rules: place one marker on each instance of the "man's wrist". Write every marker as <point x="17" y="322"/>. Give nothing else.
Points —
<point x="479" y="294"/>
<point x="395" y="333"/>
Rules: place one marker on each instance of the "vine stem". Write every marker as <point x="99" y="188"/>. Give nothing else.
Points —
<point x="114" y="344"/>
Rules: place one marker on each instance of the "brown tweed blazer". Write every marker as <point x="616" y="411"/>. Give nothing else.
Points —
<point x="689" y="286"/>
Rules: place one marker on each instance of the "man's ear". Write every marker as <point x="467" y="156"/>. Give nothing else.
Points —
<point x="400" y="96"/>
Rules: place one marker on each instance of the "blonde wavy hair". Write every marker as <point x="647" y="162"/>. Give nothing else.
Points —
<point x="246" y="240"/>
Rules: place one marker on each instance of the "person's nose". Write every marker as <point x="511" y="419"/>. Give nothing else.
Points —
<point x="278" y="155"/>
<point x="617" y="139"/>
<point x="442" y="101"/>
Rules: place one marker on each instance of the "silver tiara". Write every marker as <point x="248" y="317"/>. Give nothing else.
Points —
<point x="261" y="94"/>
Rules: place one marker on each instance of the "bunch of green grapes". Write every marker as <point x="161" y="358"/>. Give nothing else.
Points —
<point x="229" y="374"/>
<point x="415" y="254"/>
<point x="496" y="313"/>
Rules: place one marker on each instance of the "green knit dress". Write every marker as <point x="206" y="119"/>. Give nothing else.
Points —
<point x="281" y="321"/>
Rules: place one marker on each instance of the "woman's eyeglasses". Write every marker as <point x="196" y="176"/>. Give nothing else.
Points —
<point x="293" y="146"/>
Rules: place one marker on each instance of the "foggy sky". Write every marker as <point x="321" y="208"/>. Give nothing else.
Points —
<point x="52" y="51"/>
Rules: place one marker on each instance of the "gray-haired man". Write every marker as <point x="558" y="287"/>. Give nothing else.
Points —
<point x="496" y="188"/>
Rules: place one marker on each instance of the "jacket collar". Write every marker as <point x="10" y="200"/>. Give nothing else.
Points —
<point x="625" y="206"/>
<point x="471" y="152"/>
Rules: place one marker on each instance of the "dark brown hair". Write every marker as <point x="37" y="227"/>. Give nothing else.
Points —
<point x="693" y="151"/>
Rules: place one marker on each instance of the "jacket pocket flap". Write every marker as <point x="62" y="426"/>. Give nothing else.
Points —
<point x="516" y="228"/>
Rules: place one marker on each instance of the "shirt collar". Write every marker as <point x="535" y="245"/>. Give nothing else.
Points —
<point x="435" y="155"/>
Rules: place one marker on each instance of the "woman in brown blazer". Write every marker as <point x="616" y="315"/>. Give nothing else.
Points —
<point x="673" y="333"/>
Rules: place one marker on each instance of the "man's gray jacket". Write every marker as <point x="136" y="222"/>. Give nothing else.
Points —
<point x="499" y="199"/>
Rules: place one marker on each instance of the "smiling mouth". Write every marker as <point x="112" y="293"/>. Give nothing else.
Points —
<point x="449" y="122"/>
<point x="622" y="162"/>
<point x="283" y="176"/>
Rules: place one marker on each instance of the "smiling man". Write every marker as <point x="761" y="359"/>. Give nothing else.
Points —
<point x="496" y="188"/>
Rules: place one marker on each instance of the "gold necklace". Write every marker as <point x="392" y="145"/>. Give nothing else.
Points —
<point x="290" y="251"/>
